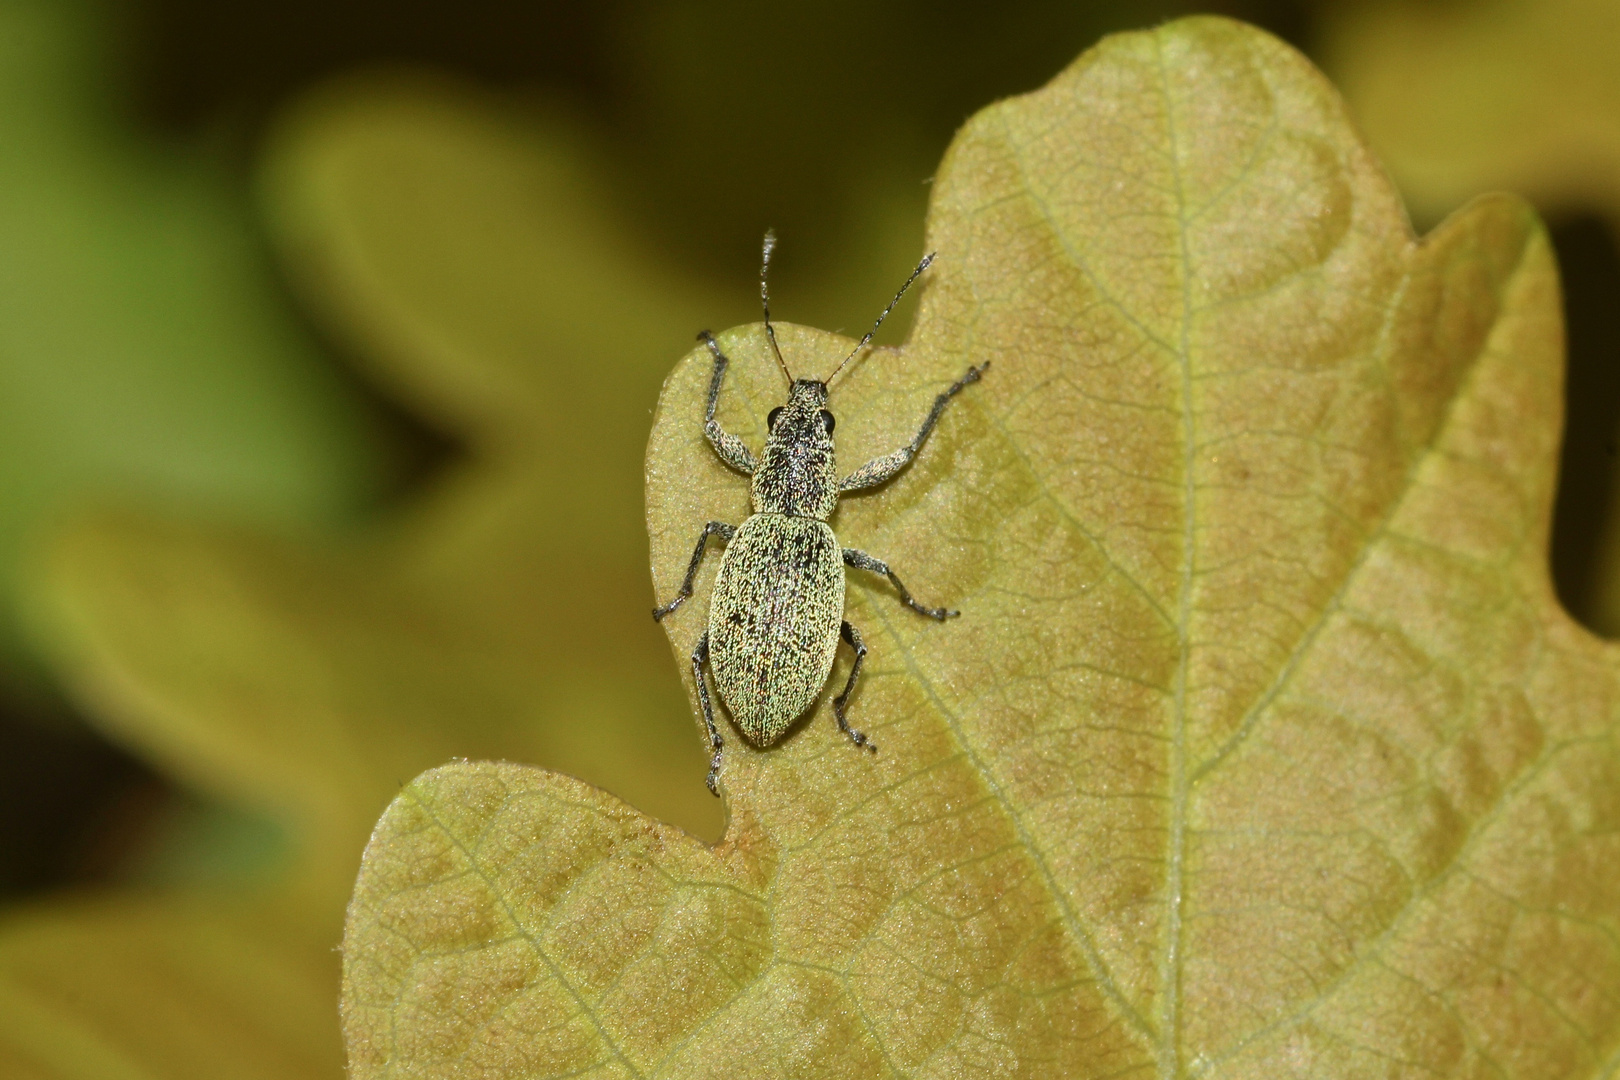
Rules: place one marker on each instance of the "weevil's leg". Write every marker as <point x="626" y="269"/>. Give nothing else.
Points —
<point x="860" y="560"/>
<point x="879" y="469"/>
<point x="732" y="450"/>
<point x="713" y="528"/>
<point x="841" y="702"/>
<point x="700" y="656"/>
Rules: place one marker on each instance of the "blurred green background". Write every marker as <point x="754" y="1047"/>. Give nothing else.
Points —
<point x="330" y="332"/>
<point x="157" y="350"/>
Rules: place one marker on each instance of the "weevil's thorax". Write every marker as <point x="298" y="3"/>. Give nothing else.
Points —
<point x="796" y="474"/>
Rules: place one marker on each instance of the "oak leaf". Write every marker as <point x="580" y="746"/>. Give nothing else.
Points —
<point x="1261" y="747"/>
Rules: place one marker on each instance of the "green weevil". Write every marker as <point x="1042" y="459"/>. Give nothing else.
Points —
<point x="777" y="609"/>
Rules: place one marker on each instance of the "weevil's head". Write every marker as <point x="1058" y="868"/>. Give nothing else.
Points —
<point x="797" y="474"/>
<point x="804" y="419"/>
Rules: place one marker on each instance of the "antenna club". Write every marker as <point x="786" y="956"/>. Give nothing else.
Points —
<point x="765" y="300"/>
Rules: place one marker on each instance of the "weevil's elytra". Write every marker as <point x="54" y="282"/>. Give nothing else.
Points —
<point x="773" y="622"/>
<point x="777" y="609"/>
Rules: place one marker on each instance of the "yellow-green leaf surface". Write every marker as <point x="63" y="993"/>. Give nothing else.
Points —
<point x="1260" y="748"/>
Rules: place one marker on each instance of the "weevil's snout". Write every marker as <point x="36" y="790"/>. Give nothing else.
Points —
<point x="810" y="394"/>
<point x="805" y="416"/>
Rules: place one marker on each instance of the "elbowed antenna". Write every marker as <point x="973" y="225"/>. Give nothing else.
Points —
<point x="765" y="301"/>
<point x="867" y="340"/>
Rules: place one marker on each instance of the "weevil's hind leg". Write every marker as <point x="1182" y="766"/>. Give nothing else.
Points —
<point x="713" y="528"/>
<point x="700" y="656"/>
<point x="862" y="561"/>
<point x="841" y="702"/>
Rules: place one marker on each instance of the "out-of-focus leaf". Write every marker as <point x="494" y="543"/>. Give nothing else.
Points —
<point x="1461" y="98"/>
<point x="143" y="345"/>
<point x="1261" y="747"/>
<point x="165" y="990"/>
<point x="468" y="253"/>
<point x="471" y="253"/>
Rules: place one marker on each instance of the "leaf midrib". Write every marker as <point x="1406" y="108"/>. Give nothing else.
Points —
<point x="1169" y="1056"/>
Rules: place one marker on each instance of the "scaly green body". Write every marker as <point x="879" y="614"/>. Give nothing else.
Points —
<point x="773" y="621"/>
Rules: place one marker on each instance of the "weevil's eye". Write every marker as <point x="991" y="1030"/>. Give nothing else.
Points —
<point x="770" y="417"/>
<point x="827" y="421"/>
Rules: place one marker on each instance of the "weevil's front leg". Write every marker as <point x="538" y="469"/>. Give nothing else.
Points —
<point x="877" y="470"/>
<point x="714" y="528"/>
<point x="700" y="656"/>
<point x="841" y="702"/>
<point x="862" y="561"/>
<point x="732" y="450"/>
